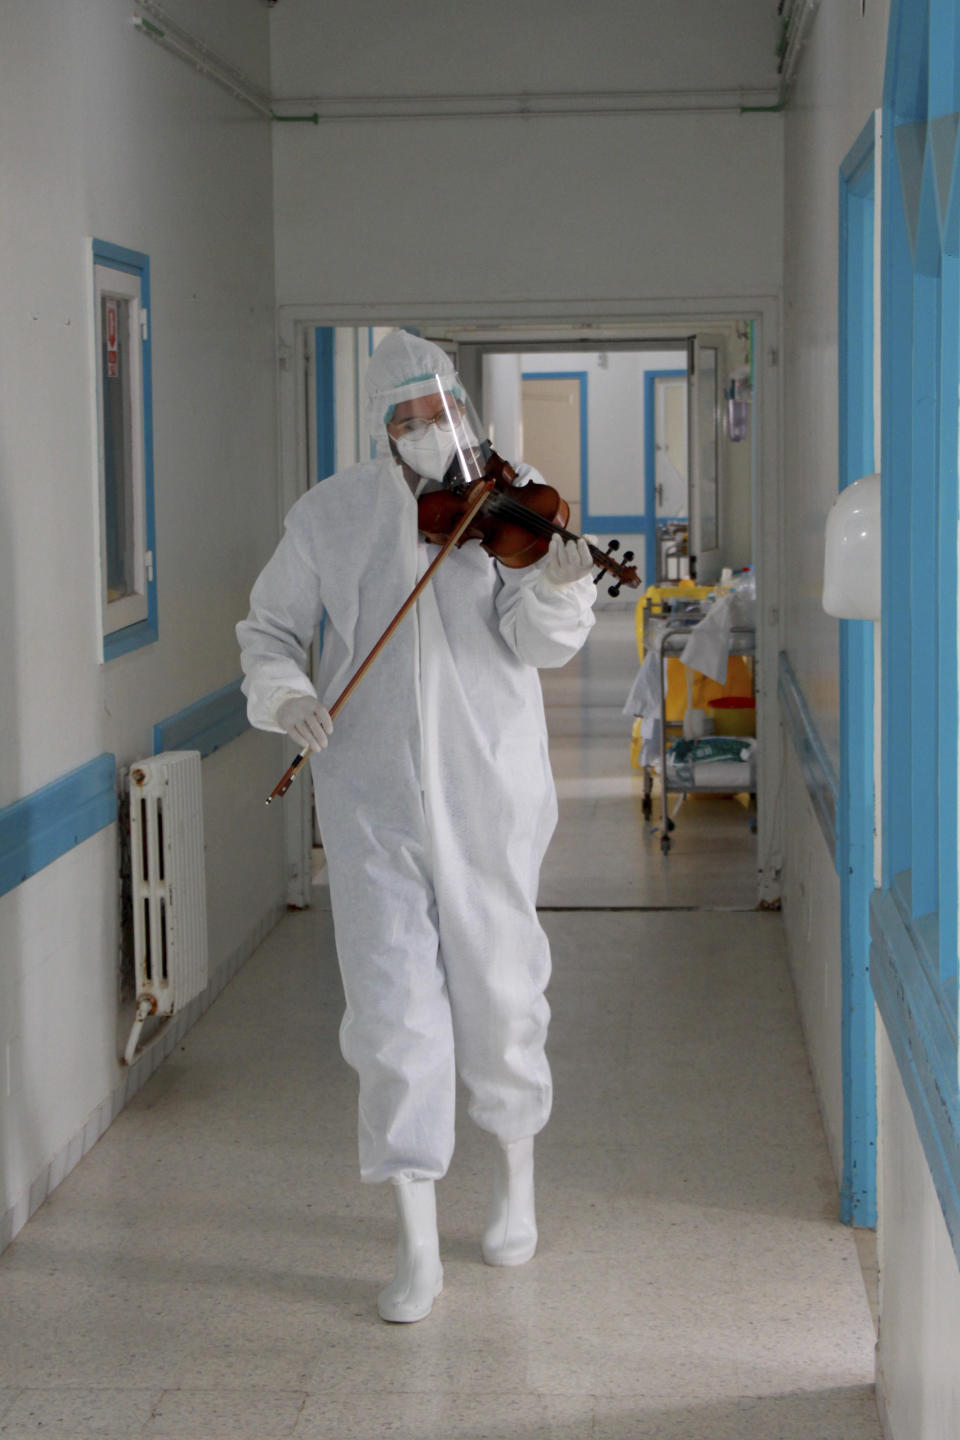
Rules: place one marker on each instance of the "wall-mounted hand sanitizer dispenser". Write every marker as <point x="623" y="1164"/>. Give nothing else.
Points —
<point x="851" y="570"/>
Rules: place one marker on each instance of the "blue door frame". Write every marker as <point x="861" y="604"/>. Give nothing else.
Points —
<point x="855" y="837"/>
<point x="325" y="340"/>
<point x="914" y="911"/>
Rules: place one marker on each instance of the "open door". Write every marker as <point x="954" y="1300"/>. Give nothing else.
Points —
<point x="704" y="365"/>
<point x="667" y="557"/>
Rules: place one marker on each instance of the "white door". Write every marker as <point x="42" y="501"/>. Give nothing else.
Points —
<point x="671" y="439"/>
<point x="705" y="456"/>
<point x="552" y="436"/>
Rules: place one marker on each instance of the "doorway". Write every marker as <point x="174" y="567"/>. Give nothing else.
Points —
<point x="583" y="344"/>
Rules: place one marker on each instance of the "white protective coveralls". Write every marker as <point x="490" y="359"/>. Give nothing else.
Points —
<point x="435" y="797"/>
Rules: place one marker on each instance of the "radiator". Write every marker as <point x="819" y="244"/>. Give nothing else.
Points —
<point x="168" y="884"/>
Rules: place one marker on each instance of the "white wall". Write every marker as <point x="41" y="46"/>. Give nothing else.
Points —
<point x="106" y="135"/>
<point x="839" y="84"/>
<point x="811" y="907"/>
<point x="503" y="402"/>
<point x="532" y="211"/>
<point x="918" y="1375"/>
<point x="543" y="46"/>
<point x="525" y="209"/>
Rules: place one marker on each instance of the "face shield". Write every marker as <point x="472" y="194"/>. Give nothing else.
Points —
<point x="439" y="435"/>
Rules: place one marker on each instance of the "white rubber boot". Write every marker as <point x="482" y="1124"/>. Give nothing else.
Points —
<point x="511" y="1234"/>
<point x="419" y="1277"/>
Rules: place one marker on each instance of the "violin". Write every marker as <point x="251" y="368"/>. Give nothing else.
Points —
<point x="514" y="523"/>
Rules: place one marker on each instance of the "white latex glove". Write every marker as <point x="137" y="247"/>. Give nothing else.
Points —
<point x="306" y="721"/>
<point x="567" y="561"/>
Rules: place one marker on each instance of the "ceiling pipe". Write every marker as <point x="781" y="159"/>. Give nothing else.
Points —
<point x="177" y="41"/>
<point x="163" y="32"/>
<point x="526" y="106"/>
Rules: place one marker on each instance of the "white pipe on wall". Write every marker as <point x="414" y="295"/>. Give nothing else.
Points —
<point x="500" y="106"/>
<point x="178" y="42"/>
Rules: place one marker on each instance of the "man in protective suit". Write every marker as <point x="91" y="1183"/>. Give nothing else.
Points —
<point x="435" y="802"/>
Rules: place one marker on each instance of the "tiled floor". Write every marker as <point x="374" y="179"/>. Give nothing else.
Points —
<point x="210" y="1270"/>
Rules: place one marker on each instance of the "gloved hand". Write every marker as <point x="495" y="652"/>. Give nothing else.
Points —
<point x="306" y="721"/>
<point x="567" y="561"/>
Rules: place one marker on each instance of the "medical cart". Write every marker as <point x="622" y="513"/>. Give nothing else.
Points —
<point x="672" y="640"/>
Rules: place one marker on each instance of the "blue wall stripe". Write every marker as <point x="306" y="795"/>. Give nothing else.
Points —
<point x="650" y="466"/>
<point x="43" y="826"/>
<point x="815" y="764"/>
<point x="207" y="725"/>
<point x="623" y="524"/>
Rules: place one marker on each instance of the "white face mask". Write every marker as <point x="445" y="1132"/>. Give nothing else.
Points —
<point x="430" y="454"/>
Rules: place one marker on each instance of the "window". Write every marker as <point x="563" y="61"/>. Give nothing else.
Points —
<point x="914" y="916"/>
<point x="128" y="612"/>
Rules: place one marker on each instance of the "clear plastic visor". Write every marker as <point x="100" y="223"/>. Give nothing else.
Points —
<point x="447" y="407"/>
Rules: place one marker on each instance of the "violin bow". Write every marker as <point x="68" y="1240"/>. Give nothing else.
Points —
<point x="460" y="529"/>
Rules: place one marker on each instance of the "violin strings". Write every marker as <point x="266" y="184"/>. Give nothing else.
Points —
<point x="540" y="525"/>
<point x="528" y="518"/>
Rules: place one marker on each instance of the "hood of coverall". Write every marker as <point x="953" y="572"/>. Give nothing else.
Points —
<point x="404" y="367"/>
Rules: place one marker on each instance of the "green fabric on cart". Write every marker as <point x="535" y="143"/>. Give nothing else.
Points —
<point x="710" y="747"/>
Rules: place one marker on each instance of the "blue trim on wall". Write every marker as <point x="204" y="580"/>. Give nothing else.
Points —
<point x="858" y="1192"/>
<point x="616" y="524"/>
<point x="119" y="257"/>
<point x="206" y="725"/>
<point x="924" y="1045"/>
<point x="913" y="917"/>
<point x="947" y="675"/>
<point x="816" y="766"/>
<point x="43" y="826"/>
<point x="326" y="382"/>
<point x="143" y="632"/>
<point x="650" y="466"/>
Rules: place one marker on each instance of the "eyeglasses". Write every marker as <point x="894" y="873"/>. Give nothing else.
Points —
<point x="417" y="426"/>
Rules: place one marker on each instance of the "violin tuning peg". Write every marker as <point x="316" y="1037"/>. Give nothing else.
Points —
<point x="614" y="545"/>
<point x="614" y="590"/>
<point x="628" y="555"/>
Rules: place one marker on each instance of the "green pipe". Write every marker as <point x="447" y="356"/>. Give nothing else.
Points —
<point x="313" y="119"/>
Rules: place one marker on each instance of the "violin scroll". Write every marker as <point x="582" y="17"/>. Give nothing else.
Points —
<point x="626" y="573"/>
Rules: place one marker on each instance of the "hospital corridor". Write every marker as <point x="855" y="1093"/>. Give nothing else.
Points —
<point x="480" y="720"/>
<point x="208" y="1270"/>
